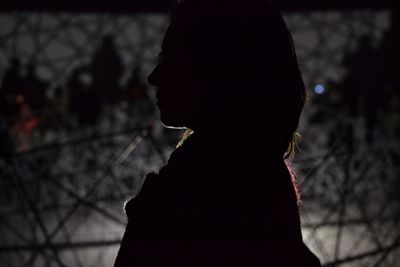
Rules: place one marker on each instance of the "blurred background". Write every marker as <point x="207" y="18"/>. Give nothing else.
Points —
<point x="79" y="129"/>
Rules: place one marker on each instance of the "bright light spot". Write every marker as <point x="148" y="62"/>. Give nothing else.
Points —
<point x="86" y="78"/>
<point x="319" y="89"/>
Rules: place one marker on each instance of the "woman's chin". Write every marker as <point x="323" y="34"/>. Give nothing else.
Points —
<point x="171" y="123"/>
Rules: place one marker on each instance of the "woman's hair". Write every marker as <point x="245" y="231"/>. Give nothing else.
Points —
<point x="242" y="56"/>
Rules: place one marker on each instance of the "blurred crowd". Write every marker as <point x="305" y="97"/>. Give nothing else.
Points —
<point x="368" y="95"/>
<point x="30" y="107"/>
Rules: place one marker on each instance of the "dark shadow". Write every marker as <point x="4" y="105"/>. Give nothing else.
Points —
<point x="228" y="73"/>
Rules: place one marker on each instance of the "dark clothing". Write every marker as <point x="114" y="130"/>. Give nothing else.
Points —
<point x="215" y="207"/>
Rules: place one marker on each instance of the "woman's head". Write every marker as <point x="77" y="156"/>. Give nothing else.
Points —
<point x="230" y="64"/>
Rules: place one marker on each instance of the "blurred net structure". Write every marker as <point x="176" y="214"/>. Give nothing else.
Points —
<point x="72" y="150"/>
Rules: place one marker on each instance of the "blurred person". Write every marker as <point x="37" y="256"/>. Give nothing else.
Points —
<point x="228" y="74"/>
<point x="23" y="129"/>
<point x="364" y="86"/>
<point x="83" y="100"/>
<point x="136" y="92"/>
<point x="11" y="93"/>
<point x="34" y="88"/>
<point x="107" y="69"/>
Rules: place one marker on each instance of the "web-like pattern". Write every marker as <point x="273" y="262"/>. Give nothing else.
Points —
<point x="62" y="192"/>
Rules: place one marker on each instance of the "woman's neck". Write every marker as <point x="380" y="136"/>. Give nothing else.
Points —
<point x="234" y="141"/>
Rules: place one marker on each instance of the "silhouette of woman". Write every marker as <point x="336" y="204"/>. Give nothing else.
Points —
<point x="227" y="71"/>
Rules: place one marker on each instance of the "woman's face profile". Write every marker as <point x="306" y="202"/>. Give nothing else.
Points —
<point x="176" y="94"/>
